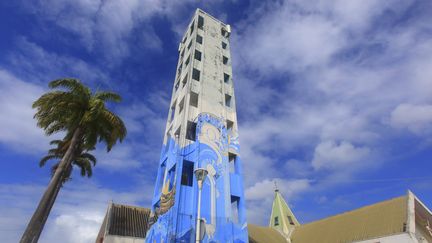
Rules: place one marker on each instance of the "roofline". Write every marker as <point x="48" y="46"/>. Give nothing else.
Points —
<point x="349" y="211"/>
<point x="198" y="10"/>
<point x="421" y="203"/>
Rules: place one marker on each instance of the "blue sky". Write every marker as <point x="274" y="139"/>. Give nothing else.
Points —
<point x="334" y="101"/>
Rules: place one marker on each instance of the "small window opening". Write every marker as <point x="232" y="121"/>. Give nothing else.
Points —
<point x="187" y="173"/>
<point x="224" y="45"/>
<point x="199" y="39"/>
<point x="171" y="177"/>
<point x="225" y="60"/>
<point x="196" y="74"/>
<point x="197" y="55"/>
<point x="235" y="209"/>
<point x="230" y="125"/>
<point x="223" y="32"/>
<point x="187" y="61"/>
<point x="200" y="22"/>
<point x="191" y="131"/>
<point x="190" y="44"/>
<point x="290" y="220"/>
<point x="276" y="221"/>
<point x="161" y="175"/>
<point x="226" y="78"/>
<point x="177" y="133"/>
<point x="193" y="99"/>
<point x="228" y="100"/>
<point x="232" y="162"/>
<point x="185" y="80"/>
<point x="184" y="39"/>
<point x="172" y="111"/>
<point x="192" y="27"/>
<point x="182" y="53"/>
<point x="177" y="85"/>
<point x="181" y="105"/>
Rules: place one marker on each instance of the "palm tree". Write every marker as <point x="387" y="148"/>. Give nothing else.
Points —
<point x="81" y="159"/>
<point x="85" y="119"/>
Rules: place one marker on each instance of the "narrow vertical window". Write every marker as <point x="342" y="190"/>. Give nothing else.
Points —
<point x="225" y="60"/>
<point x="190" y="44"/>
<point x="185" y="80"/>
<point x="191" y="131"/>
<point x="276" y="221"/>
<point x="187" y="61"/>
<point x="199" y="39"/>
<point x="193" y="99"/>
<point x="192" y="27"/>
<point x="172" y="111"/>
<point x="181" y="105"/>
<point x="177" y="133"/>
<point x="230" y="124"/>
<point x="232" y="162"/>
<point x="187" y="173"/>
<point x="196" y="74"/>
<point x="235" y="209"/>
<point x="290" y="220"/>
<point x="197" y="55"/>
<point x="224" y="45"/>
<point x="200" y="22"/>
<point x="226" y="78"/>
<point x="228" y="100"/>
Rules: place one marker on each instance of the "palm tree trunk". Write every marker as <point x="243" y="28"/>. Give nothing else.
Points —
<point x="37" y="222"/>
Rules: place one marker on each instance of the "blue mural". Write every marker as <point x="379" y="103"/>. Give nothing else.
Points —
<point x="176" y="192"/>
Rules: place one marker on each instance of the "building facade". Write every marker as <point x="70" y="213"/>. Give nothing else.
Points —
<point x="201" y="132"/>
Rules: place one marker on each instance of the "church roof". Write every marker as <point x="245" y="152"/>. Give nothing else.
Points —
<point x="381" y="219"/>
<point x="258" y="234"/>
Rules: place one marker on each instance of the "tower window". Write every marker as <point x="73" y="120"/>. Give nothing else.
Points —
<point x="232" y="162"/>
<point x="226" y="78"/>
<point x="228" y="100"/>
<point x="235" y="209"/>
<point x="185" y="80"/>
<point x="191" y="131"/>
<point x="189" y="45"/>
<point x="192" y="27"/>
<point x="181" y="105"/>
<point x="199" y="39"/>
<point x="276" y="221"/>
<point x="173" y="111"/>
<point x="225" y="60"/>
<point x="187" y="173"/>
<point x="224" y="45"/>
<point x="200" y="22"/>
<point x="176" y="86"/>
<point x="230" y="124"/>
<point x="177" y="133"/>
<point x="290" y="220"/>
<point x="187" y="61"/>
<point x="196" y="74"/>
<point x="197" y="55"/>
<point x="193" y="99"/>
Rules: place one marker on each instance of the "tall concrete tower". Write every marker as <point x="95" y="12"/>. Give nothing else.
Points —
<point x="201" y="132"/>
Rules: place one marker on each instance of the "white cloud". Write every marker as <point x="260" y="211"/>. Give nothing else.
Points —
<point x="76" y="216"/>
<point x="260" y="196"/>
<point x="339" y="156"/>
<point x="18" y="129"/>
<point x="416" y="118"/>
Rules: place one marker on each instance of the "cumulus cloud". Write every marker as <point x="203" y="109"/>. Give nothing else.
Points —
<point x="338" y="156"/>
<point x="415" y="118"/>
<point x="18" y="129"/>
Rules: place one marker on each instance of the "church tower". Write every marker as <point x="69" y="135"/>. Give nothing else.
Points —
<point x="201" y="132"/>
<point x="282" y="218"/>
